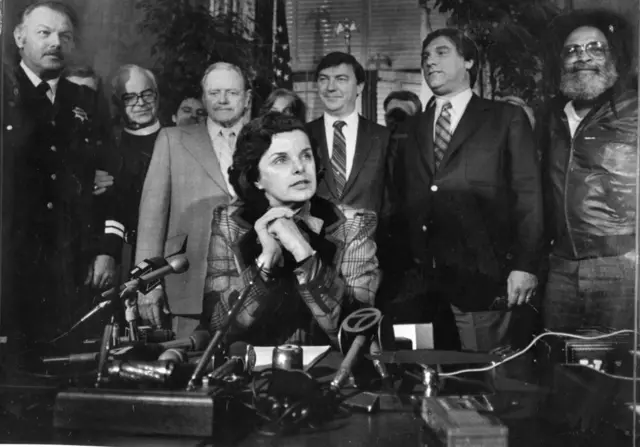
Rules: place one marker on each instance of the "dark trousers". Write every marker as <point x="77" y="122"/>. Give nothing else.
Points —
<point x="590" y="292"/>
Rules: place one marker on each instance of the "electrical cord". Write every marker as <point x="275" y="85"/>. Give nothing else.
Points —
<point x="282" y="414"/>
<point x="614" y="376"/>
<point x="532" y="343"/>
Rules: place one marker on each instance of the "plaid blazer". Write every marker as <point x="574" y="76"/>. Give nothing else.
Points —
<point x="342" y="274"/>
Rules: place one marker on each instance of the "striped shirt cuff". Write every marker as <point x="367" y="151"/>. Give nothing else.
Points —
<point x="114" y="227"/>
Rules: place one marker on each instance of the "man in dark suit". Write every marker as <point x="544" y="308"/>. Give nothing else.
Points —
<point x="471" y="195"/>
<point x="352" y="148"/>
<point x="63" y="237"/>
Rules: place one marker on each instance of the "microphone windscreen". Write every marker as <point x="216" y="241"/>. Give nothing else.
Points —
<point x="179" y="264"/>
<point x="200" y="340"/>
<point x="238" y="349"/>
<point x="174" y="355"/>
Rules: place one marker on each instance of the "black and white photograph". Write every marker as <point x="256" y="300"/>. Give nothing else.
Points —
<point x="319" y="223"/>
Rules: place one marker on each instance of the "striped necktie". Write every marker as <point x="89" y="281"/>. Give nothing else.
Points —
<point x="339" y="157"/>
<point x="443" y="134"/>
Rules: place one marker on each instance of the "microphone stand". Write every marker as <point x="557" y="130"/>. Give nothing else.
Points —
<point x="105" y="347"/>
<point x="131" y="312"/>
<point x="224" y="329"/>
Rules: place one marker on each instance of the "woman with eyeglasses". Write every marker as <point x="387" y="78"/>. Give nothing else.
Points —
<point x="135" y="97"/>
<point x="304" y="262"/>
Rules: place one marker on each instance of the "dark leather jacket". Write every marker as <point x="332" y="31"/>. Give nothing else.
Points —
<point x="590" y="179"/>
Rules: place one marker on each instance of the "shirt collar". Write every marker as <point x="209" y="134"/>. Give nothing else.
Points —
<point x="351" y="120"/>
<point x="458" y="101"/>
<point x="304" y="214"/>
<point x="35" y="79"/>
<point x="145" y="130"/>
<point x="215" y="128"/>
<point x="571" y="112"/>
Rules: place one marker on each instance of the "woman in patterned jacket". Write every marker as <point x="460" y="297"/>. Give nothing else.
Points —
<point x="313" y="260"/>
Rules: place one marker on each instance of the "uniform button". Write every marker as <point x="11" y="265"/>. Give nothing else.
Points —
<point x="434" y="188"/>
<point x="54" y="149"/>
<point x="9" y="127"/>
<point x="50" y="205"/>
<point x="53" y="176"/>
<point x="424" y="228"/>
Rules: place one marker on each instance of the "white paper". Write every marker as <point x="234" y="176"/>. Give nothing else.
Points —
<point x="421" y="335"/>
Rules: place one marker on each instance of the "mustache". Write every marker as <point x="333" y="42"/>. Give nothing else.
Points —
<point x="579" y="66"/>
<point x="55" y="53"/>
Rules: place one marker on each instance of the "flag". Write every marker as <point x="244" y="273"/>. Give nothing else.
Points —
<point x="281" y="53"/>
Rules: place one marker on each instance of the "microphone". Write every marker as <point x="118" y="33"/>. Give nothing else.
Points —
<point x="146" y="266"/>
<point x="139" y="351"/>
<point x="174" y="355"/>
<point x="136" y="351"/>
<point x="378" y="365"/>
<point x="239" y="299"/>
<point x="349" y="361"/>
<point x="178" y="264"/>
<point x="142" y="372"/>
<point x="73" y="358"/>
<point x="241" y="359"/>
<point x="197" y="341"/>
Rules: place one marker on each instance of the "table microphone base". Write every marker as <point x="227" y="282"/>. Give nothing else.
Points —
<point x="148" y="412"/>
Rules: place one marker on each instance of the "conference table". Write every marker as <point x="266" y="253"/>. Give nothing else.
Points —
<point x="562" y="406"/>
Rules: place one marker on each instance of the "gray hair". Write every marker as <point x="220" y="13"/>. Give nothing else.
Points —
<point x="227" y="66"/>
<point x="122" y="76"/>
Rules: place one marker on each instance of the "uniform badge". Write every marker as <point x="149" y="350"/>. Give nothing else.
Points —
<point x="80" y="114"/>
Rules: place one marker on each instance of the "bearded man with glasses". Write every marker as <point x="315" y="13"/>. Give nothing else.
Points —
<point x="588" y="137"/>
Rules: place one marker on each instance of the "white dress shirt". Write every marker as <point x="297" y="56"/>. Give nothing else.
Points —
<point x="573" y="118"/>
<point x="350" y="131"/>
<point x="53" y="83"/>
<point x="459" y="103"/>
<point x="223" y="140"/>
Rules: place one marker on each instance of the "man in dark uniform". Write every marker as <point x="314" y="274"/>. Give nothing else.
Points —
<point x="64" y="238"/>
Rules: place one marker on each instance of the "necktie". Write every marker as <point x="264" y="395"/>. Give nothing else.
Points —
<point x="339" y="156"/>
<point x="43" y="90"/>
<point x="231" y="140"/>
<point x="443" y="133"/>
<point x="226" y="156"/>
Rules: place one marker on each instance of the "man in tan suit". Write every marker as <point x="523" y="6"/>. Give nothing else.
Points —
<point x="187" y="179"/>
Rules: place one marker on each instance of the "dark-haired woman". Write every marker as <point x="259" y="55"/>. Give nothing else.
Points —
<point x="312" y="260"/>
<point x="285" y="101"/>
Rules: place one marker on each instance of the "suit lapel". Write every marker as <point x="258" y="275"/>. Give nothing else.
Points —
<point x="470" y="122"/>
<point x="425" y="137"/>
<point x="61" y="97"/>
<point x="364" y="146"/>
<point x="318" y="133"/>
<point x="197" y="142"/>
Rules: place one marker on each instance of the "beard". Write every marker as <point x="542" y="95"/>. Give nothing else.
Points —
<point x="584" y="82"/>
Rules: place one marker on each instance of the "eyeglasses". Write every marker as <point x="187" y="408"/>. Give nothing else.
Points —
<point x="147" y="96"/>
<point x="595" y="50"/>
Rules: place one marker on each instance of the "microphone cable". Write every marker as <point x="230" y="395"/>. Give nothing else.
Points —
<point x="532" y="344"/>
